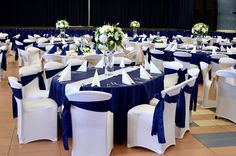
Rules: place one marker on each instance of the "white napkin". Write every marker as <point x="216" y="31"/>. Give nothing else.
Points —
<point x="174" y="47"/>
<point x="96" y="81"/>
<point x="83" y="67"/>
<point x="65" y="75"/>
<point x="126" y="79"/>
<point x="193" y="50"/>
<point x="168" y="47"/>
<point x="229" y="51"/>
<point x="154" y="68"/>
<point x="146" y="65"/>
<point x="122" y="62"/>
<point x="144" y="74"/>
<point x="100" y="64"/>
<point x="222" y="48"/>
<point x="213" y="50"/>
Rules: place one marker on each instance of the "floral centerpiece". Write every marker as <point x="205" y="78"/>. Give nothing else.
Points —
<point x="200" y="29"/>
<point x="135" y="24"/>
<point x="62" y="25"/>
<point x="111" y="37"/>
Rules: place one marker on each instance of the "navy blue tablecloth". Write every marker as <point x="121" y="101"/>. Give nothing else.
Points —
<point x="124" y="97"/>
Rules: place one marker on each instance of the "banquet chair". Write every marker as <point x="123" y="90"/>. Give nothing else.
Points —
<point x="157" y="57"/>
<point x="227" y="92"/>
<point x="171" y="73"/>
<point x="194" y="72"/>
<point x="33" y="84"/>
<point x="37" y="119"/>
<point x="226" y="63"/>
<point x="51" y="69"/>
<point x="144" y="128"/>
<point x="214" y="59"/>
<point x="92" y="123"/>
<point x="28" y="43"/>
<point x="183" y="106"/>
<point x="3" y="61"/>
<point x="206" y="103"/>
<point x="75" y="63"/>
<point x="34" y="56"/>
<point x="184" y="58"/>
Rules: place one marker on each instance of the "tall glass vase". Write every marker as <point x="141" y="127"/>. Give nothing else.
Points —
<point x="63" y="33"/>
<point x="199" y="42"/>
<point x="109" y="62"/>
<point x="135" y="32"/>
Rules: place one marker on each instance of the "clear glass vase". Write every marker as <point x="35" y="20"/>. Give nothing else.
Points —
<point x="62" y="33"/>
<point x="135" y="32"/>
<point x="199" y="42"/>
<point x="109" y="62"/>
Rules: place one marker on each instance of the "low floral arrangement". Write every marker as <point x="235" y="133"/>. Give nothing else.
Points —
<point x="200" y="29"/>
<point x="85" y="49"/>
<point x="62" y="25"/>
<point x="110" y="36"/>
<point x="135" y="24"/>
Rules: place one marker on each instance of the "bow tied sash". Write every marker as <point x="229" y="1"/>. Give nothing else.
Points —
<point x="158" y="123"/>
<point x="27" y="79"/>
<point x="181" y="73"/>
<point x="193" y="97"/>
<point x="16" y="93"/>
<point x="181" y="106"/>
<point x="4" y="59"/>
<point x="95" y="106"/>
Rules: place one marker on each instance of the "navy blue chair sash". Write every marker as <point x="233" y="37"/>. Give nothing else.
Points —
<point x="37" y="46"/>
<point x="96" y="106"/>
<point x="51" y="73"/>
<point x="184" y="59"/>
<point x="215" y="60"/>
<point x="17" y="53"/>
<point x="181" y="73"/>
<point x="193" y="98"/>
<point x="181" y="107"/>
<point x="158" y="123"/>
<point x="4" y="59"/>
<point x="16" y="93"/>
<point x="27" y="79"/>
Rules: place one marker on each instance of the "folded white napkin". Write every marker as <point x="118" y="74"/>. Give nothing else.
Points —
<point x="83" y="67"/>
<point x="65" y="75"/>
<point x="96" y="81"/>
<point x="100" y="64"/>
<point x="154" y="68"/>
<point x="174" y="47"/>
<point x="126" y="79"/>
<point x="222" y="48"/>
<point x="144" y="74"/>
<point x="213" y="50"/>
<point x="168" y="47"/>
<point x="229" y="51"/>
<point x="122" y="62"/>
<point x="193" y="50"/>
<point x="146" y="65"/>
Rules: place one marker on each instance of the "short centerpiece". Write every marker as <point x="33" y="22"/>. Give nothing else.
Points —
<point x="110" y="37"/>
<point x="135" y="25"/>
<point x="199" y="30"/>
<point x="62" y="25"/>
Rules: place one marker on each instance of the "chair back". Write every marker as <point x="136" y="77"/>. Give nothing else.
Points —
<point x="34" y="55"/>
<point x="215" y="62"/>
<point x="157" y="57"/>
<point x="184" y="58"/>
<point x="227" y="63"/>
<point x="90" y="124"/>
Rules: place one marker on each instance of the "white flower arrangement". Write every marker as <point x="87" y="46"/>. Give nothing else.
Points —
<point x="62" y="24"/>
<point x="135" y="24"/>
<point x="200" y="29"/>
<point x="110" y="36"/>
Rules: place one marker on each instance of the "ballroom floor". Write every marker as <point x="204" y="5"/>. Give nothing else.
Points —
<point x="207" y="137"/>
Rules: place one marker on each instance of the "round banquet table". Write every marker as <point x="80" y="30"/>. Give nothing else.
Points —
<point x="124" y="97"/>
